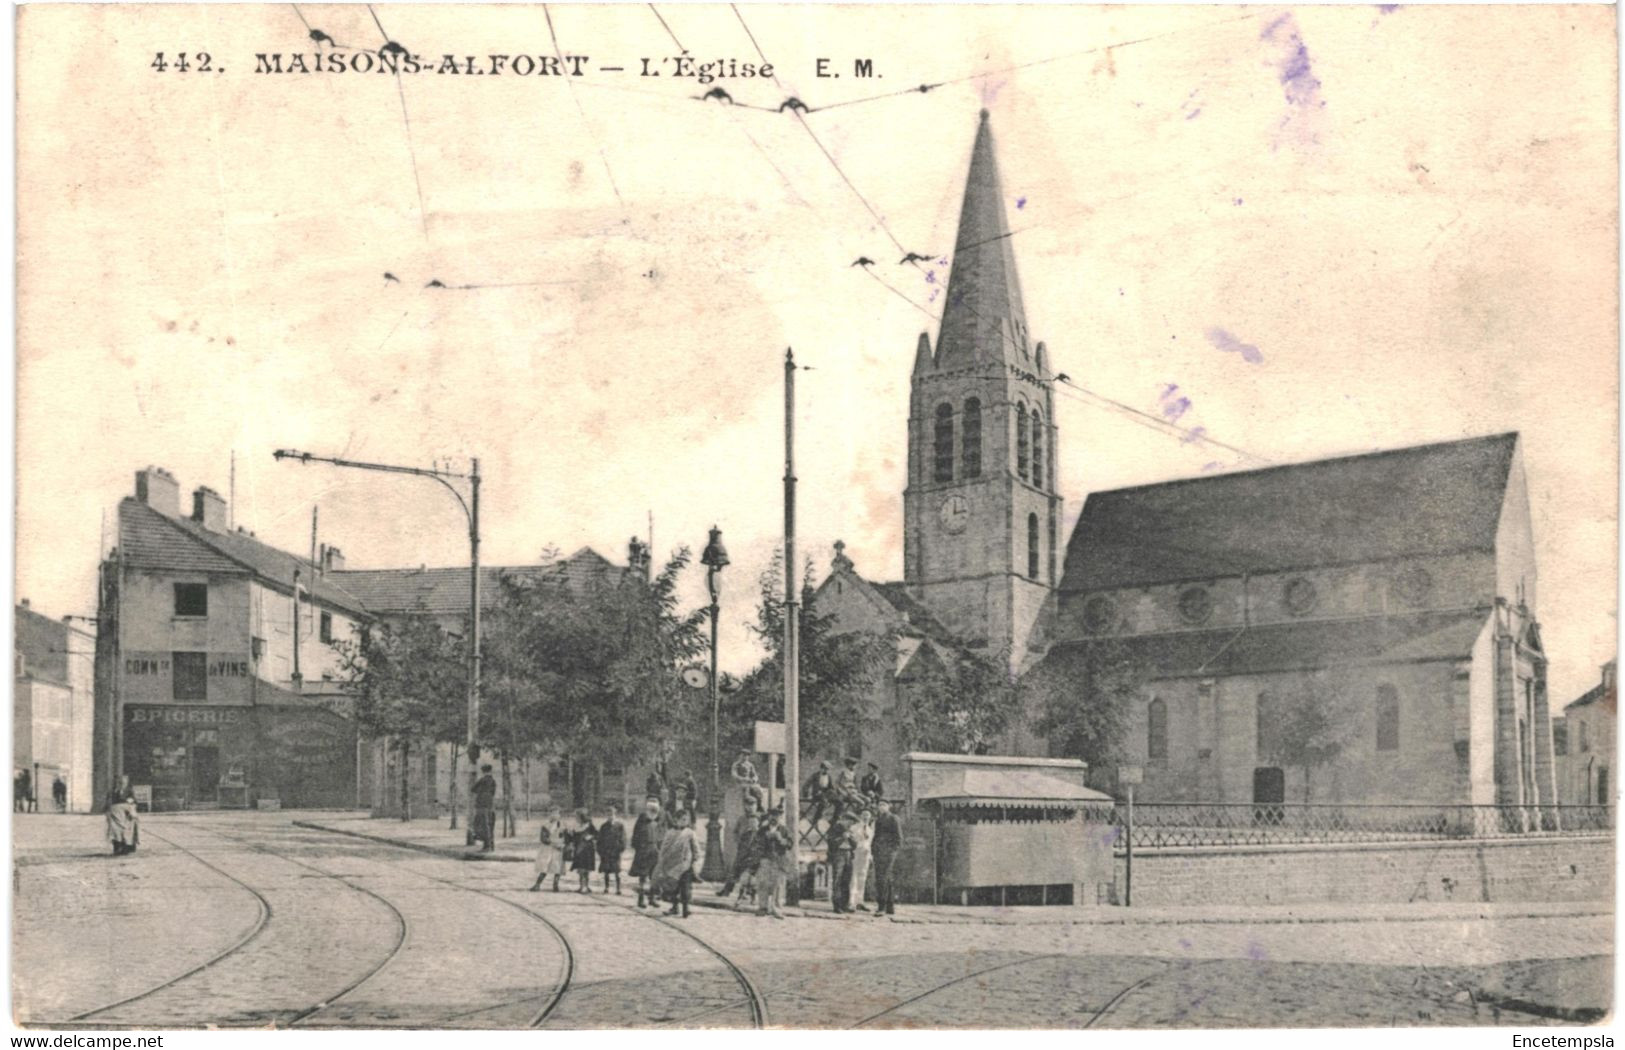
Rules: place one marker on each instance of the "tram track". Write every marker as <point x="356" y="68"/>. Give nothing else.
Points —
<point x="260" y="923"/>
<point x="550" y="999"/>
<point x="754" y="1001"/>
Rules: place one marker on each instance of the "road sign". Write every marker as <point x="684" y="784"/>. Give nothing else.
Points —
<point x="770" y="737"/>
<point x="1130" y="775"/>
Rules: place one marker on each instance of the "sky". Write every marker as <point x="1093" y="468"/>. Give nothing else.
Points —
<point x="1329" y="229"/>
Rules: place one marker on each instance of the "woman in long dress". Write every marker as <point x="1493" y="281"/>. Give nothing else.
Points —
<point x="123" y="826"/>
<point x="550" y="854"/>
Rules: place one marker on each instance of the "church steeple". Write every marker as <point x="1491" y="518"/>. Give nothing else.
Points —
<point x="982" y="514"/>
<point x="983" y="318"/>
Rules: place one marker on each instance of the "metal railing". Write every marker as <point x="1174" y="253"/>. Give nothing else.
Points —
<point x="1172" y="825"/>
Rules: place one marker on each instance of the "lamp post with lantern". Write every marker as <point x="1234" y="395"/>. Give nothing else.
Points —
<point x="714" y="558"/>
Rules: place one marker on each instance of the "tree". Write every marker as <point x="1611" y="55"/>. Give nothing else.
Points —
<point x="839" y="675"/>
<point x="953" y="701"/>
<point x="1082" y="696"/>
<point x="589" y="669"/>
<point x="1310" y="728"/>
<point x="407" y="681"/>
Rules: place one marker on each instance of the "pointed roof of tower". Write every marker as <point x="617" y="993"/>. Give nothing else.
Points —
<point x="984" y="317"/>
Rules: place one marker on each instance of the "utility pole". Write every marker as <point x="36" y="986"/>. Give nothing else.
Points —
<point x="792" y="637"/>
<point x="471" y="512"/>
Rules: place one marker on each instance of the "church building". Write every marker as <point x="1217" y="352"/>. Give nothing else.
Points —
<point x="1351" y="630"/>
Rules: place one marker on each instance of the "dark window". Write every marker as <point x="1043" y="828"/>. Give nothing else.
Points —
<point x="971" y="457"/>
<point x="1038" y="449"/>
<point x="327" y="627"/>
<point x="1032" y="546"/>
<point x="1560" y="739"/>
<point x="1602" y="786"/>
<point x="190" y="672"/>
<point x="191" y="599"/>
<point x="1156" y="730"/>
<point x="1585" y="739"/>
<point x="1387" y="718"/>
<point x="1021" y="441"/>
<point x="944" y="443"/>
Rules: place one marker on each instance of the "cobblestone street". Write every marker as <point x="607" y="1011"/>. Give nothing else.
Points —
<point x="247" y="919"/>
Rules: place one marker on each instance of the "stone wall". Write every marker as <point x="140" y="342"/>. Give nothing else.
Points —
<point x="1563" y="868"/>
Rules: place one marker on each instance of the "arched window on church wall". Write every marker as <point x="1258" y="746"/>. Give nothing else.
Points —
<point x="1021" y="440"/>
<point x="1387" y="718"/>
<point x="1038" y="449"/>
<point x="1156" y="730"/>
<point x="944" y="447"/>
<point x="971" y="438"/>
<point x="1265" y="740"/>
<point x="1032" y="546"/>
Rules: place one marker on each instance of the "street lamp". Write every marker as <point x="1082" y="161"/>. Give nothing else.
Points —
<point x="471" y="511"/>
<point x="714" y="558"/>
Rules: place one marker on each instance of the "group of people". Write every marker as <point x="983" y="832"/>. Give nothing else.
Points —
<point x="834" y="793"/>
<point x="22" y="793"/>
<point x="581" y="848"/>
<point x="863" y="834"/>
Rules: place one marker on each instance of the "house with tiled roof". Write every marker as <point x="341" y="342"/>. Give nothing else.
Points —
<point x="1586" y="743"/>
<point x="217" y="679"/>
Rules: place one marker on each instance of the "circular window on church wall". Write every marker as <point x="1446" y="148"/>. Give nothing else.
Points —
<point x="1097" y="614"/>
<point x="1299" y="596"/>
<point x="1195" y="605"/>
<point x="1413" y="586"/>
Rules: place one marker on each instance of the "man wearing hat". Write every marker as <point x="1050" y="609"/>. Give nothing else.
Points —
<point x="871" y="785"/>
<point x="485" y="809"/>
<point x="820" y="790"/>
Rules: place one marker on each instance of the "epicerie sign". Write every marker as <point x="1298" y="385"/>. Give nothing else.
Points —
<point x="184" y="715"/>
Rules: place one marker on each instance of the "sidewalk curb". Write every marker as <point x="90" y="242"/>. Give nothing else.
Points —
<point x="440" y="851"/>
<point x="1103" y="915"/>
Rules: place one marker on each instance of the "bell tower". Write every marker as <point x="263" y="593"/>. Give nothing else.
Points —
<point x="981" y="514"/>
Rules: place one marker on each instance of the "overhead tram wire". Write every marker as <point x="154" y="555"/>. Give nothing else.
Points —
<point x="406" y="120"/>
<point x="873" y="212"/>
<point x="933" y="85"/>
<point x="1145" y="419"/>
<point x="681" y="49"/>
<point x="558" y="52"/>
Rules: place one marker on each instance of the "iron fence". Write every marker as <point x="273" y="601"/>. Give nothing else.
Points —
<point x="1167" y="825"/>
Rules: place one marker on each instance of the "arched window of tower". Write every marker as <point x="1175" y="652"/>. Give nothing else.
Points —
<point x="1032" y="546"/>
<point x="971" y="438"/>
<point x="1021" y="440"/>
<point x="944" y="448"/>
<point x="1038" y="448"/>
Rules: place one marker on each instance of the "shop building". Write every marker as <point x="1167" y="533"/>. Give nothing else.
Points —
<point x="216" y="677"/>
<point x="52" y="701"/>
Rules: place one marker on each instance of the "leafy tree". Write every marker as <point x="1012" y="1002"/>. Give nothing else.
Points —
<point x="1081" y="698"/>
<point x="839" y="674"/>
<point x="1310" y="728"/>
<point x="407" y="681"/>
<point x="954" y="702"/>
<point x="589" y="669"/>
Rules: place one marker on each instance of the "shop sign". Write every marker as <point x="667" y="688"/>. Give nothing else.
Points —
<point x="214" y="716"/>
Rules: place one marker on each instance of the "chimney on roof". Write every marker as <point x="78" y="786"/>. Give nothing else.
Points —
<point x="24" y="603"/>
<point x="209" y="509"/>
<point x="158" y="489"/>
<point x="332" y="560"/>
<point x="1607" y="672"/>
<point x="637" y="557"/>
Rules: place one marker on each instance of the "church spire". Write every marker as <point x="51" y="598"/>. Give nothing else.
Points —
<point x="983" y="319"/>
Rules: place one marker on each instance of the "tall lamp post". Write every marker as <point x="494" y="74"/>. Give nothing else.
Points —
<point x="716" y="867"/>
<point x="471" y="511"/>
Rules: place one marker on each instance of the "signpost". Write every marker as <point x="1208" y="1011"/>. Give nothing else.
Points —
<point x="770" y="737"/>
<point x="1128" y="776"/>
